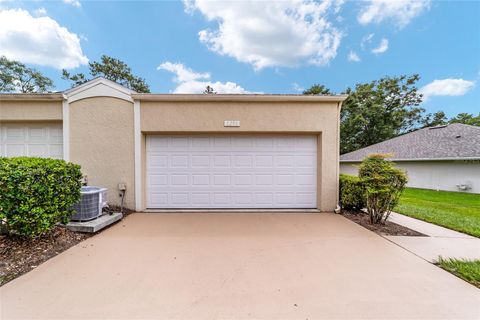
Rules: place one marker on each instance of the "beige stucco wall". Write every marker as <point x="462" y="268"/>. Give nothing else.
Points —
<point x="349" y="168"/>
<point x="30" y="110"/>
<point x="435" y="175"/>
<point x="320" y="118"/>
<point x="102" y="142"/>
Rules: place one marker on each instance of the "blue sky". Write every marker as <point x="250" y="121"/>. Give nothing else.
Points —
<point x="270" y="47"/>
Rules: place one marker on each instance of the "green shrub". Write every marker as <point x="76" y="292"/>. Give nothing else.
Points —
<point x="383" y="183"/>
<point x="36" y="193"/>
<point x="352" y="192"/>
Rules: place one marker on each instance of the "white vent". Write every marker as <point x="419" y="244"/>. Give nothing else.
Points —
<point x="464" y="186"/>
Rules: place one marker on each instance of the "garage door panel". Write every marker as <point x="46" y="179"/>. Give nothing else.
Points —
<point x="158" y="180"/>
<point x="37" y="150"/>
<point x="265" y="199"/>
<point x="231" y="171"/>
<point x="180" y="199"/>
<point x="37" y="134"/>
<point x="56" y="134"/>
<point x="264" y="180"/>
<point x="305" y="198"/>
<point x="158" y="161"/>
<point x="200" y="180"/>
<point x="179" y="142"/>
<point x="200" y="199"/>
<point x="159" y="199"/>
<point x="56" y="151"/>
<point x="285" y="198"/>
<point x="14" y="134"/>
<point x="306" y="160"/>
<point x="264" y="142"/>
<point x="15" y="150"/>
<point x="200" y="161"/>
<point x="221" y="199"/>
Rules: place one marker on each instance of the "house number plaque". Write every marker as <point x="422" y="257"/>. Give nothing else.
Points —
<point x="231" y="123"/>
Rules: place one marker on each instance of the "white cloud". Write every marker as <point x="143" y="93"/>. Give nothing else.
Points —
<point x="366" y="40"/>
<point x="447" y="87"/>
<point x="382" y="47"/>
<point x="40" y="12"/>
<point x="271" y="34"/>
<point x="296" y="87"/>
<point x="74" y="3"/>
<point x="189" y="81"/>
<point x="183" y="74"/>
<point x="40" y="41"/>
<point x="218" y="87"/>
<point x="400" y="11"/>
<point x="353" y="56"/>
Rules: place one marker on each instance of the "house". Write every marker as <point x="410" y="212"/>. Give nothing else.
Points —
<point x="185" y="150"/>
<point x="439" y="158"/>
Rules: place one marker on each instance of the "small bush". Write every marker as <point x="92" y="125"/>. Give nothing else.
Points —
<point x="36" y="193"/>
<point x="352" y="192"/>
<point x="383" y="183"/>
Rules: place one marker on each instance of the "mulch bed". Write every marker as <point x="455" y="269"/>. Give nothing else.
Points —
<point x="19" y="255"/>
<point x="388" y="228"/>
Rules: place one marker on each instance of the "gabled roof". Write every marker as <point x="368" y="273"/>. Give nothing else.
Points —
<point x="450" y="142"/>
<point x="98" y="87"/>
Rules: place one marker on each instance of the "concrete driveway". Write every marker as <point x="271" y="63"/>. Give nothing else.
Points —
<point x="238" y="266"/>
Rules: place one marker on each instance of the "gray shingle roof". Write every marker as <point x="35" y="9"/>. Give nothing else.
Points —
<point x="454" y="141"/>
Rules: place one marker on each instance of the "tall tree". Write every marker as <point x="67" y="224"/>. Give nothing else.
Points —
<point x="17" y="77"/>
<point x="112" y="69"/>
<point x="466" y="118"/>
<point x="379" y="110"/>
<point x="318" y="89"/>
<point x="432" y="120"/>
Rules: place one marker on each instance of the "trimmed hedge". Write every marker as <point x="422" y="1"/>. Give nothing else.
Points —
<point x="352" y="192"/>
<point x="37" y="193"/>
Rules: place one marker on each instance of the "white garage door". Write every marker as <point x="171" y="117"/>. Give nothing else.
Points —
<point x="274" y="171"/>
<point x="33" y="140"/>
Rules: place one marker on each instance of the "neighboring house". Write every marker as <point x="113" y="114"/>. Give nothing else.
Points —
<point x="184" y="150"/>
<point x="439" y="158"/>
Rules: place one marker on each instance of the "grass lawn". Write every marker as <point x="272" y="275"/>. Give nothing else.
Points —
<point x="467" y="270"/>
<point x="453" y="210"/>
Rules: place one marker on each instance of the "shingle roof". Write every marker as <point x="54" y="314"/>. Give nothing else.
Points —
<point x="454" y="141"/>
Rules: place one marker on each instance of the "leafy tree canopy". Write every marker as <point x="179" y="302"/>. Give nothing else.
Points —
<point x="439" y="118"/>
<point x="17" y="77"/>
<point x="383" y="109"/>
<point x="379" y="110"/>
<point x="436" y="119"/>
<point x="466" y="118"/>
<point x="209" y="90"/>
<point x="318" y="89"/>
<point x="111" y="69"/>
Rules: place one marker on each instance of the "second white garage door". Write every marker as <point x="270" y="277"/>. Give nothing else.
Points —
<point x="32" y="140"/>
<point x="262" y="171"/>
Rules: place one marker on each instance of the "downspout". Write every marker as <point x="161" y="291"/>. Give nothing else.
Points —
<point x="66" y="128"/>
<point x="337" y="169"/>
<point x="138" y="155"/>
